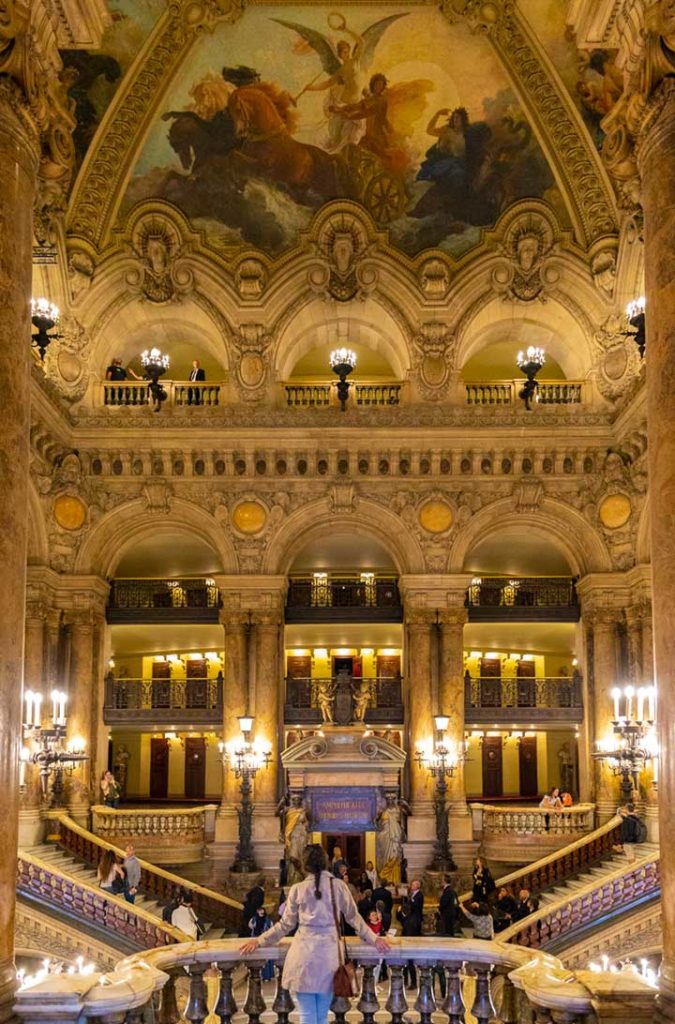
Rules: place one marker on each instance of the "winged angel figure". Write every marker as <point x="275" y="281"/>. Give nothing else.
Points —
<point x="345" y="66"/>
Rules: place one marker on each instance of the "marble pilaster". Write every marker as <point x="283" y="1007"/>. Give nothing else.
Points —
<point x="19" y="153"/>
<point x="451" y="703"/>
<point x="604" y="626"/>
<point x="34" y="678"/>
<point x="656" y="160"/>
<point x="236" y="631"/>
<point x="80" y="708"/>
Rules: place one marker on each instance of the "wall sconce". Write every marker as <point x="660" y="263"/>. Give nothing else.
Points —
<point x="44" y="316"/>
<point x="635" y="311"/>
<point x="530" y="363"/>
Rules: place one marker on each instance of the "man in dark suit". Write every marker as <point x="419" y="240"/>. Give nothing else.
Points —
<point x="447" y="909"/>
<point x="382" y="895"/>
<point x="253" y="899"/>
<point x="411" y="915"/>
<point x="195" y="394"/>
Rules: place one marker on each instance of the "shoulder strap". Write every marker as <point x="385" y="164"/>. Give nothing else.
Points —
<point x="340" y="940"/>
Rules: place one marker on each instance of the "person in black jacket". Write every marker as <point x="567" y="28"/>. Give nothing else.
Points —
<point x="483" y="882"/>
<point x="382" y="895"/>
<point x="365" y="905"/>
<point x="521" y="910"/>
<point x="506" y="908"/>
<point x="253" y="899"/>
<point x="447" y="909"/>
<point x="411" y="916"/>
<point x="631" y="829"/>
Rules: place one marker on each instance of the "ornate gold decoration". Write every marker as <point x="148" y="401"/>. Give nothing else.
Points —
<point x="156" y="242"/>
<point x="342" y="240"/>
<point x="529" y="239"/>
<point x="615" y="511"/>
<point x="251" y="368"/>
<point x="434" y="346"/>
<point x="249" y="517"/>
<point x="618" y="359"/>
<point x="570" y="151"/>
<point x="69" y="512"/>
<point x="436" y="516"/>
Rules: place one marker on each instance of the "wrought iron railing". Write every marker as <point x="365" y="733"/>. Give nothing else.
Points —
<point x="156" y="694"/>
<point x="136" y="394"/>
<point x="325" y="591"/>
<point x="321" y="394"/>
<point x="522" y="592"/>
<point x="506" y="392"/>
<point x="305" y="692"/>
<point x="523" y="691"/>
<point x="182" y="593"/>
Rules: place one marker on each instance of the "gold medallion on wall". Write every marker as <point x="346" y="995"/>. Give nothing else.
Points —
<point x="615" y="511"/>
<point x="249" y="517"/>
<point x="70" y="512"/>
<point x="436" y="516"/>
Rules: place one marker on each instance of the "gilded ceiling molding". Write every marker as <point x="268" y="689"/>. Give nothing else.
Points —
<point x="558" y="125"/>
<point x="100" y="184"/>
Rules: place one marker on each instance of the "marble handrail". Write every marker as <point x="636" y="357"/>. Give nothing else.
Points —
<point x="512" y="819"/>
<point x="471" y="968"/>
<point x="186" y="822"/>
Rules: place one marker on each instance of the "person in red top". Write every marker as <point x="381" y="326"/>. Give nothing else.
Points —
<point x="375" y="924"/>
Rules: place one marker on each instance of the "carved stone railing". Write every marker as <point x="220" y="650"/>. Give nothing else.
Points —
<point x="523" y="691"/>
<point x="47" y="885"/>
<point x="156" y="883"/>
<point x="513" y="834"/>
<point x="506" y="392"/>
<point x="172" y="835"/>
<point x="615" y="891"/>
<point x="196" y="700"/>
<point x="317" y="394"/>
<point x="303" y="699"/>
<point x="485" y="982"/>
<point x="136" y="394"/>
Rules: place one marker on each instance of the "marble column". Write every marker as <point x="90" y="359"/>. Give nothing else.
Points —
<point x="656" y="158"/>
<point x="606" y="788"/>
<point x="419" y="711"/>
<point x="34" y="679"/>
<point x="79" y="709"/>
<point x="266" y="726"/>
<point x="19" y="152"/>
<point x="235" y="703"/>
<point x="451" y="703"/>
<point x="634" y="637"/>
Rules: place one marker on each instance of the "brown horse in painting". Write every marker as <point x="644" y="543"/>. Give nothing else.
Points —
<point x="268" y="150"/>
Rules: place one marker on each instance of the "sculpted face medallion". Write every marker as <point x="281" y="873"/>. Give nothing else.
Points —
<point x="436" y="516"/>
<point x="249" y="517"/>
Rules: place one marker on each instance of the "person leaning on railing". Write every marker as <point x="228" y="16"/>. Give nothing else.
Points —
<point x="315" y="952"/>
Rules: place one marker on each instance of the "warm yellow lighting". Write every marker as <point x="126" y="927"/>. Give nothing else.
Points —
<point x="475" y="654"/>
<point x="160" y="657"/>
<point x="530" y="734"/>
<point x="343" y="651"/>
<point x="321" y="653"/>
<point x="195" y="657"/>
<point x="212" y="656"/>
<point x="575" y="662"/>
<point x="514" y="657"/>
<point x="516" y="734"/>
<point x="528" y="657"/>
<point x="387" y="651"/>
<point x="111" y="662"/>
<point x="172" y="658"/>
<point x="76" y="745"/>
<point x="245" y="723"/>
<point x="492" y="655"/>
<point x="171" y="735"/>
<point x="366" y="652"/>
<point x="299" y="652"/>
<point x="441" y="722"/>
<point x="493" y="732"/>
<point x="477" y="734"/>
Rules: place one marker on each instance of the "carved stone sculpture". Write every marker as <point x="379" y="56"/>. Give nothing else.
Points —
<point x="389" y="840"/>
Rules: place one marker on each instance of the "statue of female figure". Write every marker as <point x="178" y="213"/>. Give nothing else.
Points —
<point x="296" y="837"/>
<point x="389" y="841"/>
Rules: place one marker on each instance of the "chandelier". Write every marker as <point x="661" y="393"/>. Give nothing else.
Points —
<point x="530" y="363"/>
<point x="44" y="316"/>
<point x="155" y="364"/>
<point x="342" y="361"/>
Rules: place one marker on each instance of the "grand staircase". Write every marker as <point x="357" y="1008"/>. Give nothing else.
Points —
<point x="60" y="875"/>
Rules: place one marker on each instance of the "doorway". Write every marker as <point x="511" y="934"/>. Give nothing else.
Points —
<point x="343" y="664"/>
<point x="527" y="766"/>
<point x="353" y="846"/>
<point x="159" y="768"/>
<point x="195" y="767"/>
<point x="492" y="766"/>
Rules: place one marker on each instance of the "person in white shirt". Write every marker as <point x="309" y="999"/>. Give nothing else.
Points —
<point x="185" y="918"/>
<point x="372" y="874"/>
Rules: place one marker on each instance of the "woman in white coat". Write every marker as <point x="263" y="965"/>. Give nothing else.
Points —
<point x="314" y="954"/>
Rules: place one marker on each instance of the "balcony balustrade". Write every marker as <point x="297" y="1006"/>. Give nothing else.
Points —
<point x="506" y="392"/>
<point x="499" y="598"/>
<point x="162" y="701"/>
<point x="184" y="600"/>
<point x="312" y="701"/>
<point x="514" y="834"/>
<point x="485" y="981"/>
<point x="323" y="394"/>
<point x="495" y="699"/>
<point x="326" y="598"/>
<point x="171" y="835"/>
<point x="136" y="394"/>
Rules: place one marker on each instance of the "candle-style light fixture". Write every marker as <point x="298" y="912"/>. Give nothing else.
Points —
<point x="342" y="361"/>
<point x="44" y="316"/>
<point x="530" y="363"/>
<point x="155" y="364"/>
<point x="635" y="311"/>
<point x="48" y="751"/>
<point x="633" y="742"/>
<point x="441" y="758"/>
<point x="245" y="757"/>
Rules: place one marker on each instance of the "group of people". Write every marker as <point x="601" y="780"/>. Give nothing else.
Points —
<point x="120" y="876"/>
<point x="118" y="373"/>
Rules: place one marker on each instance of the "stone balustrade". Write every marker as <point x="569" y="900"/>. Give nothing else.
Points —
<point x="321" y="394"/>
<point x="131" y="394"/>
<point x="485" y="981"/>
<point x="171" y="835"/>
<point x="156" y="882"/>
<point x="529" y="830"/>
<point x="506" y="392"/>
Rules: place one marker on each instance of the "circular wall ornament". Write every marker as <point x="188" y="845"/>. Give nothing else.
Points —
<point x="69" y="512"/>
<point x="249" y="517"/>
<point x="615" y="511"/>
<point x="436" y="516"/>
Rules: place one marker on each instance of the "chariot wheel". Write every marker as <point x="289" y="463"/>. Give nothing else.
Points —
<point x="384" y="198"/>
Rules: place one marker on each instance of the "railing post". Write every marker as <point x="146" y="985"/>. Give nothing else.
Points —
<point x="483" y="1008"/>
<point x="340" y="1007"/>
<point x="368" y="1003"/>
<point x="453" y="1004"/>
<point x="226" y="1005"/>
<point x="425" y="1004"/>
<point x="283" y="1004"/>
<point x="255" y="1004"/>
<point x="197" y="1009"/>
<point x="168" y="1010"/>
<point x="396" y="1003"/>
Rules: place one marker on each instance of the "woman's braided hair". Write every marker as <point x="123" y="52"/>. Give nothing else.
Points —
<point x="314" y="862"/>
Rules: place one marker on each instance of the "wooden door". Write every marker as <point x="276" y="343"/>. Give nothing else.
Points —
<point x="195" y="767"/>
<point x="389" y="666"/>
<point x="196" y="684"/>
<point x="492" y="767"/>
<point x="159" y="768"/>
<point x="161" y="684"/>
<point x="490" y="683"/>
<point x="527" y="766"/>
<point x="355" y="845"/>
<point x="526" y="685"/>
<point x="299" y="683"/>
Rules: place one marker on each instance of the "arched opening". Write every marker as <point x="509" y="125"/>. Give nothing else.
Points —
<point x="497" y="361"/>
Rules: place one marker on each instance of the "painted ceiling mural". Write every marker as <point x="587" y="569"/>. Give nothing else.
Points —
<point x="94" y="77"/>
<point x="396" y="108"/>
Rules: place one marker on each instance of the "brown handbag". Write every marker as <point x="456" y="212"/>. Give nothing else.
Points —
<point x="344" y="979"/>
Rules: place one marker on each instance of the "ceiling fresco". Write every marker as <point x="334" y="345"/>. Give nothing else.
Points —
<point x="95" y="77"/>
<point x="290" y="107"/>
